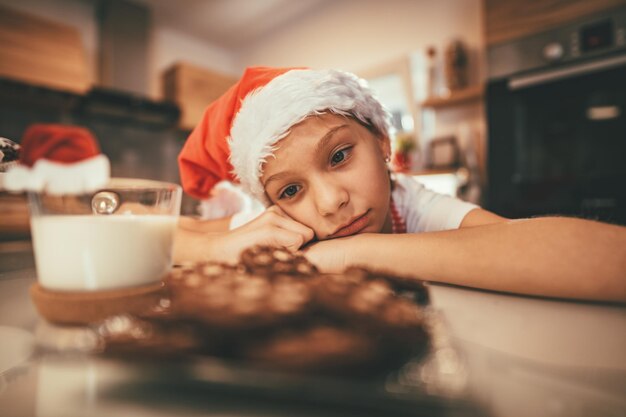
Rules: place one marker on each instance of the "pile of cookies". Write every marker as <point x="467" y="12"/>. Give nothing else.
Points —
<point x="275" y="310"/>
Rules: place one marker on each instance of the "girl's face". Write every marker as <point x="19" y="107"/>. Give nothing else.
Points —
<point x="330" y="174"/>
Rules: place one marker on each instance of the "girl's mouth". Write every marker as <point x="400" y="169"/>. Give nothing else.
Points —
<point x="354" y="226"/>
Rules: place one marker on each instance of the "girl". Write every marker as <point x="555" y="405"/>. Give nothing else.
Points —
<point x="312" y="145"/>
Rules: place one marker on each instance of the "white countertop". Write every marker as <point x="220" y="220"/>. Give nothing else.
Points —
<point x="520" y="356"/>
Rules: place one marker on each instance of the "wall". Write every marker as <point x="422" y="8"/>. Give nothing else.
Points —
<point x="358" y="34"/>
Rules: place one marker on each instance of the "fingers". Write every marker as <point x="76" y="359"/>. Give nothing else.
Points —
<point x="275" y="228"/>
<point x="275" y="217"/>
<point x="270" y="235"/>
<point x="284" y="234"/>
<point x="287" y="239"/>
<point x="293" y="226"/>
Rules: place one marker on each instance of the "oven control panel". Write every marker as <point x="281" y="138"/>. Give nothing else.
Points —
<point x="598" y="35"/>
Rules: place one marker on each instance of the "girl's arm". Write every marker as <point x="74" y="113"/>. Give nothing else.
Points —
<point x="481" y="217"/>
<point x="552" y="256"/>
<point x="193" y="238"/>
<point x="199" y="225"/>
<point x="202" y="240"/>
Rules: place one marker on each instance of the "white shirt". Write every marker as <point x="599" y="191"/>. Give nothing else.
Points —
<point x="424" y="210"/>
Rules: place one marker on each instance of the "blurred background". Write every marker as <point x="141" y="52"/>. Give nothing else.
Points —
<point x="515" y="105"/>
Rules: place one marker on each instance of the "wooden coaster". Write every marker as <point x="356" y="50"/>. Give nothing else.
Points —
<point x="85" y="307"/>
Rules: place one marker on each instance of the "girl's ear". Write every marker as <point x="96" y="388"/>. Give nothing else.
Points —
<point x="385" y="146"/>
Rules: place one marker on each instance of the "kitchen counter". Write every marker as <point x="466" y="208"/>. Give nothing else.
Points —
<point x="517" y="356"/>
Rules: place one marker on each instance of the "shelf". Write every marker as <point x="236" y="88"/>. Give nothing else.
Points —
<point x="474" y="93"/>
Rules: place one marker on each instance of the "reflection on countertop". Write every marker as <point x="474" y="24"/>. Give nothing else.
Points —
<point x="540" y="357"/>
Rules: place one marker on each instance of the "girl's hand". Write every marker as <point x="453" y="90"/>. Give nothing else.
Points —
<point x="335" y="255"/>
<point x="272" y="228"/>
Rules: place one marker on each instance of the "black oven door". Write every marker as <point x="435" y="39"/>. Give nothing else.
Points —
<point x="557" y="142"/>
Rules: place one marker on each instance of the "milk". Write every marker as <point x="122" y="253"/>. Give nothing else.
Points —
<point x="74" y="252"/>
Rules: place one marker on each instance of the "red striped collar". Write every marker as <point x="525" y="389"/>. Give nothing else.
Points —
<point x="398" y="225"/>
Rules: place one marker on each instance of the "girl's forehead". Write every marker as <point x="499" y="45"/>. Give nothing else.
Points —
<point x="312" y="133"/>
<point x="301" y="145"/>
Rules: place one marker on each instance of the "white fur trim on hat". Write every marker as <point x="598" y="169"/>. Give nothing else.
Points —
<point x="267" y="114"/>
<point x="59" y="178"/>
<point x="228" y="199"/>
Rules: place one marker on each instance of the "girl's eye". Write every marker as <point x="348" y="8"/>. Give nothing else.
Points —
<point x="290" y="191"/>
<point x="340" y="156"/>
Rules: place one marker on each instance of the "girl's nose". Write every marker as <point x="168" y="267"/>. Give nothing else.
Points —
<point x="330" y="197"/>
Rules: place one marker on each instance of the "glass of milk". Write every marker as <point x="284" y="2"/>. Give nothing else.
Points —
<point x="119" y="236"/>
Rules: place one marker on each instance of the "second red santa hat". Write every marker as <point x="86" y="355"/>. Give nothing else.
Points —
<point x="58" y="159"/>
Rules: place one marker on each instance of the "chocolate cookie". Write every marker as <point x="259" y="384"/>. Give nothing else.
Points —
<point x="358" y="295"/>
<point x="268" y="261"/>
<point x="319" y="348"/>
<point x="368" y="302"/>
<point x="406" y="287"/>
<point x="231" y="298"/>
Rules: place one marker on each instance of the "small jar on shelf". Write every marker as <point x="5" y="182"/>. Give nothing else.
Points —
<point x="456" y="66"/>
<point x="433" y="79"/>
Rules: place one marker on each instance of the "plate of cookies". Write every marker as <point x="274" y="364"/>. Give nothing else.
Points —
<point x="273" y="324"/>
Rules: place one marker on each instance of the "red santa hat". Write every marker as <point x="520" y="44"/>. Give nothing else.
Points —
<point x="58" y="159"/>
<point x="240" y="130"/>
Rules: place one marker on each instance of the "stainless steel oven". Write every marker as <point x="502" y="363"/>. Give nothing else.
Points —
<point x="556" y="111"/>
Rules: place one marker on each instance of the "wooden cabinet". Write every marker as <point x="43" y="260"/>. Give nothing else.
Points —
<point x="193" y="89"/>
<point x="506" y="20"/>
<point x="41" y="52"/>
